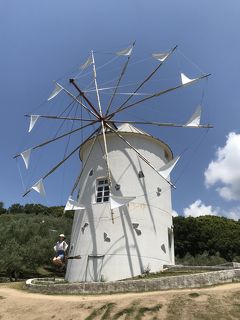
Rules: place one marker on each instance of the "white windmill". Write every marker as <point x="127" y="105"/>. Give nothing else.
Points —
<point x="122" y="197"/>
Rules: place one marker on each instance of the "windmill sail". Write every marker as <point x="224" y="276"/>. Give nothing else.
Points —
<point x="55" y="92"/>
<point x="33" y="120"/>
<point x="160" y="56"/>
<point x="39" y="187"/>
<point x="167" y="168"/>
<point x="26" y="156"/>
<point x="73" y="205"/>
<point x="125" y="52"/>
<point x="87" y="63"/>
<point x="117" y="202"/>
<point x="194" y="121"/>
<point x="185" y="79"/>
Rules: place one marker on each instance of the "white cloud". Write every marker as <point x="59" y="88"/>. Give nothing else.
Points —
<point x="226" y="169"/>
<point x="174" y="213"/>
<point x="233" y="213"/>
<point x="198" y="208"/>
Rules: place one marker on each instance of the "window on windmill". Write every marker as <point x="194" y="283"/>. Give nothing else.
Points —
<point x="158" y="191"/>
<point x="102" y="190"/>
<point x="117" y="187"/>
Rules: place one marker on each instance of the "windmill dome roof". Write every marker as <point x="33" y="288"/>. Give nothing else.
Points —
<point x="126" y="128"/>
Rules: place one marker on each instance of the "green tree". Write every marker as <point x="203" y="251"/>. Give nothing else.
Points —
<point x="16" y="208"/>
<point x="27" y="240"/>
<point x="218" y="236"/>
<point x="2" y="209"/>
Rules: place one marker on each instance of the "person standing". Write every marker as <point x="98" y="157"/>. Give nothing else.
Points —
<point x="60" y="248"/>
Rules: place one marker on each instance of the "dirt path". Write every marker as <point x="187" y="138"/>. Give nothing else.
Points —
<point x="220" y="302"/>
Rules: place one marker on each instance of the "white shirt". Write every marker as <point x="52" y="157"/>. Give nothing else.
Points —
<point x="61" y="246"/>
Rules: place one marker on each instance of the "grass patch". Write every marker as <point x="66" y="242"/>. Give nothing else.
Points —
<point x="128" y="312"/>
<point x="194" y="294"/>
<point x="105" y="310"/>
<point x="143" y="310"/>
<point x="176" y="307"/>
<point x="106" y="314"/>
<point x="169" y="274"/>
<point x="2" y="297"/>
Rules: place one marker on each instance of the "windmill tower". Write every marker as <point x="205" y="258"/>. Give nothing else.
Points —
<point x="117" y="236"/>
<point x="123" y="214"/>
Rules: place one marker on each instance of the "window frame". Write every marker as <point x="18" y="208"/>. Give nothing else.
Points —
<point x="105" y="191"/>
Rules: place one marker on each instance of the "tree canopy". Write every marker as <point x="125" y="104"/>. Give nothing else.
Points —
<point x="216" y="235"/>
<point x="27" y="239"/>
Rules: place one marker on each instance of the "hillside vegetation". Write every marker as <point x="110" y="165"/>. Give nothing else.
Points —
<point x="206" y="240"/>
<point x="28" y="234"/>
<point x="27" y="238"/>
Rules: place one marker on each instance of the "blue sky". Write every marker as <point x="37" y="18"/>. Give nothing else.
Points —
<point x="41" y="41"/>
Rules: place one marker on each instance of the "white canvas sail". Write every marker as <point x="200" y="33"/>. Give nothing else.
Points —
<point x="33" y="120"/>
<point x="26" y="156"/>
<point x="87" y="63"/>
<point x="185" y="79"/>
<point x="39" y="187"/>
<point x="55" y="92"/>
<point x="125" y="52"/>
<point x="194" y="121"/>
<point x="117" y="202"/>
<point x="167" y="168"/>
<point x="160" y="56"/>
<point x="73" y="205"/>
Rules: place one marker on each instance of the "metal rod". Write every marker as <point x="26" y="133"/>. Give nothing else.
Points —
<point x="58" y="118"/>
<point x="76" y="99"/>
<point x="107" y="164"/>
<point x="103" y="128"/>
<point x="95" y="82"/>
<point x="85" y="98"/>
<point x="166" y="124"/>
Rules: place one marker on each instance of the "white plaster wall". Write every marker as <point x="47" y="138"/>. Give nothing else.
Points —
<point x="126" y="254"/>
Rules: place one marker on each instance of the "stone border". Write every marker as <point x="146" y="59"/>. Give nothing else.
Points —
<point x="56" y="286"/>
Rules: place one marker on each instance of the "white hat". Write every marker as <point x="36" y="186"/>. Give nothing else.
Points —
<point x="62" y="235"/>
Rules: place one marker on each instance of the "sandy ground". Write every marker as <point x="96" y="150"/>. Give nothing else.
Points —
<point x="220" y="302"/>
